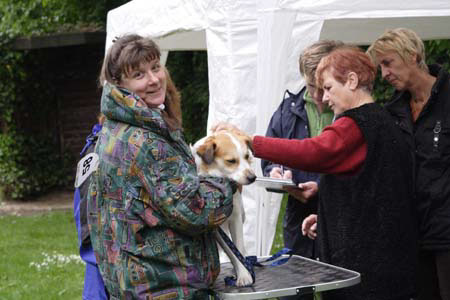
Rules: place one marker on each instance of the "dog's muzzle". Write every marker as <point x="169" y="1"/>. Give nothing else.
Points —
<point x="251" y="178"/>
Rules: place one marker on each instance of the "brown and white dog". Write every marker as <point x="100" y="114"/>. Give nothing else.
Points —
<point x="228" y="154"/>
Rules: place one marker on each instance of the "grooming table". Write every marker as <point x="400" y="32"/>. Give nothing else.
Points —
<point x="296" y="277"/>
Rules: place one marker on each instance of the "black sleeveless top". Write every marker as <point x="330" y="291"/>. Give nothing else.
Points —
<point x="366" y="221"/>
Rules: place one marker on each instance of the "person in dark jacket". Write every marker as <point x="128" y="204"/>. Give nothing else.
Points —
<point x="421" y="109"/>
<point x="300" y="116"/>
<point x="365" y="218"/>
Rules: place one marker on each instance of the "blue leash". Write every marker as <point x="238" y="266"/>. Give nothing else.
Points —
<point x="91" y="138"/>
<point x="276" y="263"/>
<point x="250" y="262"/>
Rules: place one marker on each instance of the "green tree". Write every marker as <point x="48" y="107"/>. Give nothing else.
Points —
<point x="30" y="163"/>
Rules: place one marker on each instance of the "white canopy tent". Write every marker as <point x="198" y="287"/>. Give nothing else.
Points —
<point x="253" y="48"/>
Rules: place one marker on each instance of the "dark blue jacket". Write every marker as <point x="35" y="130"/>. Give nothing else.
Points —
<point x="290" y="121"/>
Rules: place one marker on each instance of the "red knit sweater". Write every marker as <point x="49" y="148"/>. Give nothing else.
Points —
<point x="340" y="148"/>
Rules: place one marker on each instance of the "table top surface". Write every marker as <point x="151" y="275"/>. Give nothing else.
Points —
<point x="298" y="276"/>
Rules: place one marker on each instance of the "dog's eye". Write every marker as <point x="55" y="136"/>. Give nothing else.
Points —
<point x="247" y="156"/>
<point x="231" y="161"/>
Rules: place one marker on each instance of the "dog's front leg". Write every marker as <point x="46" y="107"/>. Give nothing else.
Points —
<point x="236" y="223"/>
<point x="243" y="276"/>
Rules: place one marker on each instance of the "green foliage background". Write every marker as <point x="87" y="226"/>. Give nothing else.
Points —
<point x="30" y="163"/>
<point x="189" y="71"/>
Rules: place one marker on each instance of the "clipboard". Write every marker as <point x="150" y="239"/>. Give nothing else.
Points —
<point x="274" y="185"/>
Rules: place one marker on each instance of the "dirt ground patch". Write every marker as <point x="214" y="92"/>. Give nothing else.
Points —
<point x="56" y="200"/>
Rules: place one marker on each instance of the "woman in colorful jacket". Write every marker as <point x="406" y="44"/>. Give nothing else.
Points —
<point x="151" y="216"/>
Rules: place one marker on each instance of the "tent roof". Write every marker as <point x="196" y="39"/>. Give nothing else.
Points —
<point x="349" y="30"/>
<point x="362" y="21"/>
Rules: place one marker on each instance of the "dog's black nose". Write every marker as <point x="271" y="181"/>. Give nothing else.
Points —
<point x="251" y="178"/>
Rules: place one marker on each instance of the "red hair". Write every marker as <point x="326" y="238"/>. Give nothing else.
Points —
<point x="344" y="60"/>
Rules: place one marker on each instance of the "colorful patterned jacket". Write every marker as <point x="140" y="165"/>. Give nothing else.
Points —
<point x="150" y="215"/>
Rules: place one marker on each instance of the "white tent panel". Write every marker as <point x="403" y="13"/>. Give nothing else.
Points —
<point x="232" y="10"/>
<point x="183" y="40"/>
<point x="231" y="45"/>
<point x="332" y="9"/>
<point x="232" y="99"/>
<point x="269" y="87"/>
<point x="349" y="30"/>
<point x="155" y="18"/>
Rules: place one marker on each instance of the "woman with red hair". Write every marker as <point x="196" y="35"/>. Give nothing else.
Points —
<point x="365" y="220"/>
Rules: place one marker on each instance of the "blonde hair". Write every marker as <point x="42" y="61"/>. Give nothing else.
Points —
<point x="127" y="54"/>
<point x="311" y="56"/>
<point x="404" y="42"/>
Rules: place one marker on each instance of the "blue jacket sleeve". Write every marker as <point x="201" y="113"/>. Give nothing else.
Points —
<point x="274" y="129"/>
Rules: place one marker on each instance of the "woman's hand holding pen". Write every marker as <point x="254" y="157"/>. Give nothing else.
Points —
<point x="279" y="172"/>
<point x="303" y="192"/>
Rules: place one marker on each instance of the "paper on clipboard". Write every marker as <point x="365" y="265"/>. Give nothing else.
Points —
<point x="274" y="184"/>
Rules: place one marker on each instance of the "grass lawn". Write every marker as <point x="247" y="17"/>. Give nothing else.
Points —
<point x="39" y="257"/>
<point x="278" y="243"/>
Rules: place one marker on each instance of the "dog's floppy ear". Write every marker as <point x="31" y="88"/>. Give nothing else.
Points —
<point x="206" y="151"/>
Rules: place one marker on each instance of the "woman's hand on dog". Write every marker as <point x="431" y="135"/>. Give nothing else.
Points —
<point x="224" y="126"/>
<point x="309" y="226"/>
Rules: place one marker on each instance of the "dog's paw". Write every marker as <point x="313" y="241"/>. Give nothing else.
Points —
<point x="244" y="278"/>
